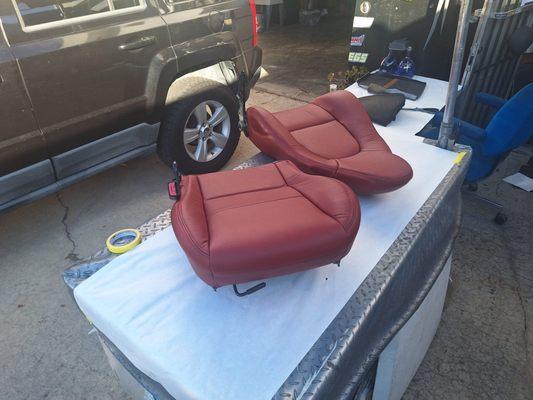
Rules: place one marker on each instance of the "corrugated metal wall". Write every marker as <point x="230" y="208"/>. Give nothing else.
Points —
<point x="495" y="63"/>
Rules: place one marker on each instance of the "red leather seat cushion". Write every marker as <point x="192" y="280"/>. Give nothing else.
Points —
<point x="332" y="136"/>
<point x="256" y="223"/>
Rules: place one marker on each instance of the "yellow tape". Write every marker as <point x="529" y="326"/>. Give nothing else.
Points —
<point x="459" y="157"/>
<point x="122" y="248"/>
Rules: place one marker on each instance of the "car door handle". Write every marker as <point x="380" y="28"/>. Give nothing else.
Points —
<point x="138" y="43"/>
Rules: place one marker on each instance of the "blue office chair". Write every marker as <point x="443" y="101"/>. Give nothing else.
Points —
<point x="510" y="127"/>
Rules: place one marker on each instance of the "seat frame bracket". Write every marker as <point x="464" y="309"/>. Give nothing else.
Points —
<point x="252" y="290"/>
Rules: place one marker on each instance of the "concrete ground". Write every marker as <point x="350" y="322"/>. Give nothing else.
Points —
<point x="483" y="346"/>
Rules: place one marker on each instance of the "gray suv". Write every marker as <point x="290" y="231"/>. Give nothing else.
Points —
<point x="88" y="84"/>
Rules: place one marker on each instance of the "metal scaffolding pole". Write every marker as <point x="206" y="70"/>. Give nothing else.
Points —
<point x="446" y="140"/>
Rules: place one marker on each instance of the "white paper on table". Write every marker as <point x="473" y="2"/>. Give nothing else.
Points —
<point x="202" y="344"/>
<point x="520" y="180"/>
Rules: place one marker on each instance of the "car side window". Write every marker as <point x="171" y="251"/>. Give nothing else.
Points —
<point x="37" y="12"/>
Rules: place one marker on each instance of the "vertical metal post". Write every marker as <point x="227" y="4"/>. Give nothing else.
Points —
<point x="486" y="11"/>
<point x="446" y="140"/>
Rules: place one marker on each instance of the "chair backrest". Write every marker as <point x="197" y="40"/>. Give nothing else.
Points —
<point x="512" y="125"/>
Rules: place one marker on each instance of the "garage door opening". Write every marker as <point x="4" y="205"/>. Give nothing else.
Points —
<point x="297" y="54"/>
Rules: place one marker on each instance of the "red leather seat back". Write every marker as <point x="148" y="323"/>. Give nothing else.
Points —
<point x="328" y="137"/>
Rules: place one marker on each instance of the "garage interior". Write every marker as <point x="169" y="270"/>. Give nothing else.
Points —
<point x="301" y="57"/>
<point x="482" y="348"/>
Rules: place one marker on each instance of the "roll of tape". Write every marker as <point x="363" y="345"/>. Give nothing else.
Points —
<point x="123" y="240"/>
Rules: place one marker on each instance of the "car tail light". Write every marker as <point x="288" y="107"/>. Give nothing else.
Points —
<point x="254" y="22"/>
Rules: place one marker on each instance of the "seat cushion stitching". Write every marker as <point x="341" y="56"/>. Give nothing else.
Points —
<point x="312" y="202"/>
<point x="320" y="209"/>
<point x="345" y="127"/>
<point x="338" y="166"/>
<point x="378" y="178"/>
<point x="254" y="204"/>
<point x="208" y="233"/>
<point x="305" y="127"/>
<point x="318" y="155"/>
<point x="282" y="176"/>
<point x="352" y="209"/>
<point x="244" y="192"/>
<point x="316" y="125"/>
<point x="188" y="232"/>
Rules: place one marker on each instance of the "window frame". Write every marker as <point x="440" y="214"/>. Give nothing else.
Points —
<point x="76" y="20"/>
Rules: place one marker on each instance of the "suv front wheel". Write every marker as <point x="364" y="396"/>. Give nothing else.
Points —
<point x="200" y="131"/>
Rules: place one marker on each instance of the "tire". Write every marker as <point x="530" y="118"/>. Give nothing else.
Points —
<point x="217" y="142"/>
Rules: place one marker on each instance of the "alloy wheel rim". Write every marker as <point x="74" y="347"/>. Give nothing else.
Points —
<point x="207" y="131"/>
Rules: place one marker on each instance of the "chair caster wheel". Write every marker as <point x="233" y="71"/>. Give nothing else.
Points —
<point x="472" y="187"/>
<point x="500" y="218"/>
